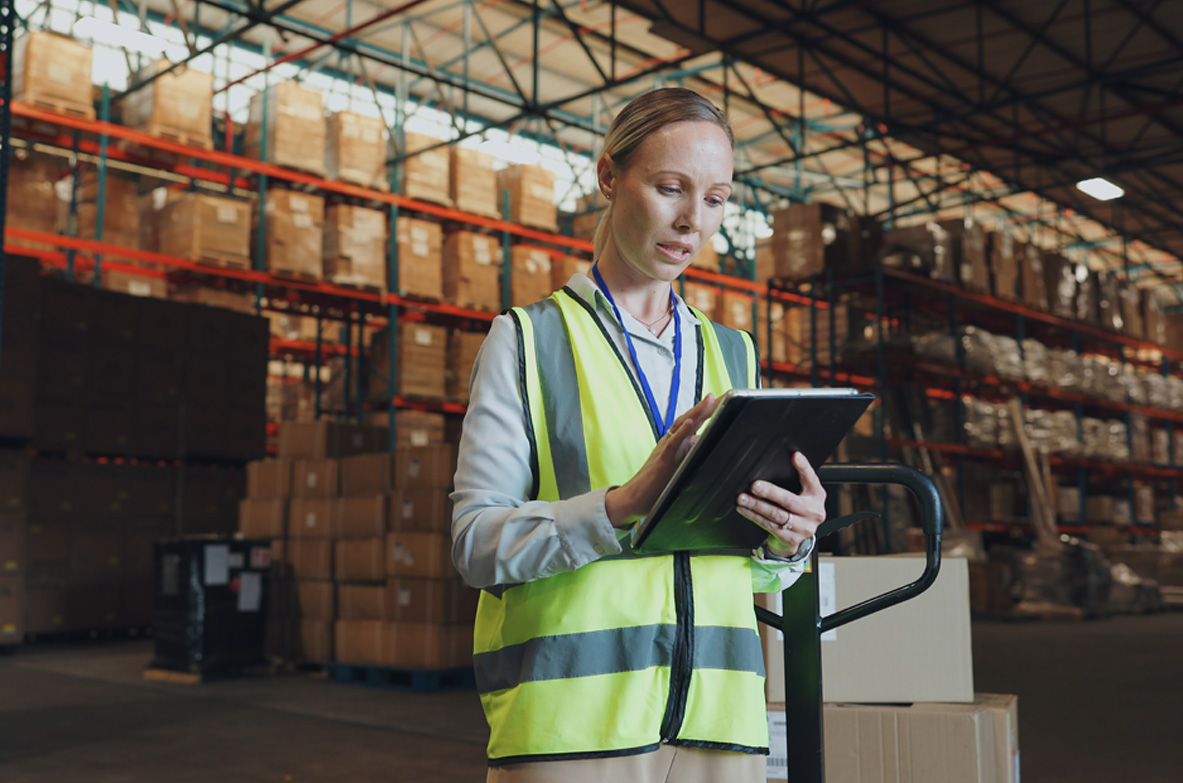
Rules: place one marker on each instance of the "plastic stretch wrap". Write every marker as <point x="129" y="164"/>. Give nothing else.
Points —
<point x="1101" y="379"/>
<point x="210" y="596"/>
<point x="1174" y="397"/>
<point x="1136" y="388"/>
<point x="1006" y="431"/>
<point x="1037" y="362"/>
<point x="1105" y="439"/>
<point x="1156" y="390"/>
<point x="981" y="423"/>
<point x="1054" y="431"/>
<point x="937" y="346"/>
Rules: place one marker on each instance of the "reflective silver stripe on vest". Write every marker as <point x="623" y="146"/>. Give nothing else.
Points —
<point x="611" y="652"/>
<point x="560" y="398"/>
<point x="735" y="354"/>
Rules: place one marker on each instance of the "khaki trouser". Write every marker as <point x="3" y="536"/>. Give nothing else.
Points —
<point x="668" y="764"/>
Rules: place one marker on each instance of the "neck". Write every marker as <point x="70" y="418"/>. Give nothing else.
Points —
<point x="645" y="298"/>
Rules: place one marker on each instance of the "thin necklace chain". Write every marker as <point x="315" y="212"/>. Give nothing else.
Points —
<point x="650" y="325"/>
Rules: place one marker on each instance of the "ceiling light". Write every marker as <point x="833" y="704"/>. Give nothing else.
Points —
<point x="119" y="35"/>
<point x="508" y="152"/>
<point x="1100" y="188"/>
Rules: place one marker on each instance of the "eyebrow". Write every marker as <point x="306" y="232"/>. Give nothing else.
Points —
<point x="677" y="173"/>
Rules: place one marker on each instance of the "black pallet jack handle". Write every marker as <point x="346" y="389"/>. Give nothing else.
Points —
<point x="803" y="681"/>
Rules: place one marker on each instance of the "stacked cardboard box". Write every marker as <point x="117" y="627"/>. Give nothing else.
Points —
<point x="423" y="173"/>
<point x="1130" y="299"/>
<point x="422" y="360"/>
<point x="472" y="270"/>
<point x="420" y="259"/>
<point x="121" y="210"/>
<point x="735" y="310"/>
<point x="702" y="297"/>
<point x="813" y="335"/>
<point x="295" y="128"/>
<point x="809" y="237"/>
<point x="1109" y="302"/>
<point x="531" y="196"/>
<point x="589" y="208"/>
<point x="707" y="258"/>
<point x="149" y="282"/>
<point x="32" y="203"/>
<point x="974" y="273"/>
<point x="529" y="275"/>
<point x="770" y="333"/>
<point x="176" y="106"/>
<point x="1087" y="304"/>
<point x="204" y="228"/>
<point x="473" y="182"/>
<point x="1033" y="289"/>
<point x="1152" y="318"/>
<point x="1004" y="265"/>
<point x="52" y="71"/>
<point x="294" y="234"/>
<point x="462" y="352"/>
<point x="355" y="246"/>
<point x="562" y="269"/>
<point x="1059" y="276"/>
<point x="355" y="150"/>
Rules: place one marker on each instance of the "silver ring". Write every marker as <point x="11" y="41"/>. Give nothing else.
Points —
<point x="788" y="525"/>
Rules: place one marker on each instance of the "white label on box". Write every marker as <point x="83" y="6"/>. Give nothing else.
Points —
<point x="419" y="249"/>
<point x="139" y="288"/>
<point x="483" y="254"/>
<point x="404" y="596"/>
<point x="408" y="509"/>
<point x="217" y="569"/>
<point x="297" y="203"/>
<point x="227" y="214"/>
<point x="420" y="234"/>
<point x="236" y="560"/>
<point x="422" y="337"/>
<point x="310" y="519"/>
<point x="250" y="591"/>
<point x="540" y="191"/>
<point x="159" y="198"/>
<point x="419" y="438"/>
<point x="350" y="131"/>
<point x="403" y="555"/>
<point x="312" y="480"/>
<point x="827" y="597"/>
<point x="302" y="220"/>
<point x="778" y="746"/>
<point x="413" y="468"/>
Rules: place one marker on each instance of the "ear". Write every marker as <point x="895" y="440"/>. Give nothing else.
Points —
<point x="606" y="175"/>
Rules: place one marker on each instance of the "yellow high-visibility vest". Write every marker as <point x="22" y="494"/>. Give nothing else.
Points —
<point x="629" y="651"/>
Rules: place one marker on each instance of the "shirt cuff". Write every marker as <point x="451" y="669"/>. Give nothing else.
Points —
<point x="589" y="535"/>
<point x="804" y="550"/>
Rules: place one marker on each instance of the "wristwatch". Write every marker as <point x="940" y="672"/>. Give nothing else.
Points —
<point x="803" y="551"/>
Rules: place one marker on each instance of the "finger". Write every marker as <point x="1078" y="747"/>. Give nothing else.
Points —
<point x="785" y="535"/>
<point x="777" y="516"/>
<point x="810" y="483"/>
<point x="779" y="496"/>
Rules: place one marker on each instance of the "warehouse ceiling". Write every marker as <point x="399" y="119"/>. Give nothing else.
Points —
<point x="898" y="108"/>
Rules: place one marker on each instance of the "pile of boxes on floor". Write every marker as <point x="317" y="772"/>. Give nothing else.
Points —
<point x="897" y="685"/>
<point x="361" y="552"/>
<point x="306" y="235"/>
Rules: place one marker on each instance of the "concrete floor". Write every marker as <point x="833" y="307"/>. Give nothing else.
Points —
<point x="1098" y="701"/>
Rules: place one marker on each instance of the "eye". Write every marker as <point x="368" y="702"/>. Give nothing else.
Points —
<point x="669" y="190"/>
<point x="716" y="201"/>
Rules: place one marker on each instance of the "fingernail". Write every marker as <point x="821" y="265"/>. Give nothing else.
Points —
<point x="745" y="500"/>
<point x="760" y="487"/>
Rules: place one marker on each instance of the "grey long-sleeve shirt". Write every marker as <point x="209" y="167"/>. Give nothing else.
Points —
<point x="500" y="536"/>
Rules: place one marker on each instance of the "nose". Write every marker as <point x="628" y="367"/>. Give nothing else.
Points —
<point x="690" y="215"/>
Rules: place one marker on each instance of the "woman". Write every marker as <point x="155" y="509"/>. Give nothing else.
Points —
<point x="592" y="663"/>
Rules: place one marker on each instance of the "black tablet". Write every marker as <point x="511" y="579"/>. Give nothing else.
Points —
<point x="751" y="436"/>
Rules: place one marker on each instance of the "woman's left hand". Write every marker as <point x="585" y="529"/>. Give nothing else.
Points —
<point x="790" y="518"/>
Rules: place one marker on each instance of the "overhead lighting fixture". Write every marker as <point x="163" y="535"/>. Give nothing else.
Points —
<point x="1100" y="188"/>
<point x="119" y="35"/>
<point x="510" y="153"/>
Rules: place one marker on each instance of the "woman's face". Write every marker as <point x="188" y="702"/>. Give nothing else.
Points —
<point x="669" y="201"/>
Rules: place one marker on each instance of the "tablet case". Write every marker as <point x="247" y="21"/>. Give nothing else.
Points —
<point x="751" y="437"/>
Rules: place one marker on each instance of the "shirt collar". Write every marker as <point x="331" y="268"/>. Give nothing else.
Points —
<point x="587" y="290"/>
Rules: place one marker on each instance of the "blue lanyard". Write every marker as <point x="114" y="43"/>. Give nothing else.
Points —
<point x="662" y="426"/>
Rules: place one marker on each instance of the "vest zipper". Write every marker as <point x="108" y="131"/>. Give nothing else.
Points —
<point x="683" y="653"/>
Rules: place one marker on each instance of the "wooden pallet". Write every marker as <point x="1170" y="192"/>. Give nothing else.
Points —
<point x="357" y="284"/>
<point x="224" y="262"/>
<point x="165" y="133"/>
<point x="78" y="111"/>
<point x="293" y="274"/>
<point x="416" y="680"/>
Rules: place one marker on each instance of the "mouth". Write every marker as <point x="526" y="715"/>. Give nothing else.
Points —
<point x="676" y="251"/>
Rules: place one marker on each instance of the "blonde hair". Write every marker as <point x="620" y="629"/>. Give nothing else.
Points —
<point x="646" y="114"/>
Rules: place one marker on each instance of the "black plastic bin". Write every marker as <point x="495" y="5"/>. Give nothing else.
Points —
<point x="211" y="604"/>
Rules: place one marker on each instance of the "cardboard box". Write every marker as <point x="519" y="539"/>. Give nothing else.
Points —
<point x="1130" y="301"/>
<point x="316" y="478"/>
<point x="924" y="642"/>
<point x="974" y="267"/>
<point x="1152" y="318"/>
<point x="310" y="558"/>
<point x="362" y="516"/>
<point x="423" y="171"/>
<point x="425" y="468"/>
<point x="263" y="517"/>
<point x="919" y="743"/>
<point x="314" y="641"/>
<point x="312" y="518"/>
<point x="427" y="646"/>
<point x="367" y="474"/>
<point x="735" y="310"/>
<point x="472" y="270"/>
<point x="294" y="234"/>
<point x="707" y="258"/>
<point x="774" y="328"/>
<point x="420" y="258"/>
<point x="418" y="428"/>
<point x="364" y="602"/>
<point x="355" y="246"/>
<point x="176" y="106"/>
<point x="359" y="641"/>
<point x="327" y="439"/>
<point x="32" y="203"/>
<point x="420" y="510"/>
<point x="463" y="348"/>
<point x="12" y="609"/>
<point x="295" y="128"/>
<point x="807" y="237"/>
<point x="422" y="360"/>
<point x="1059" y="276"/>
<point x="1032" y="284"/>
<point x="52" y="71"/>
<point x="562" y="269"/>
<point x="146" y="283"/>
<point x="434" y="601"/>
<point x="473" y="182"/>
<point x="121" y="210"/>
<point x="529" y="275"/>
<point x="269" y="478"/>
<point x="702" y="297"/>
<point x="419" y="555"/>
<point x="355" y="150"/>
<point x="360" y="560"/>
<point x="531" y="196"/>
<point x="314" y="599"/>
<point x="205" y="229"/>
<point x="1004" y="265"/>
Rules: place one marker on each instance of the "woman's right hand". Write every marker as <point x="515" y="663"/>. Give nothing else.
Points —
<point x="633" y="499"/>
